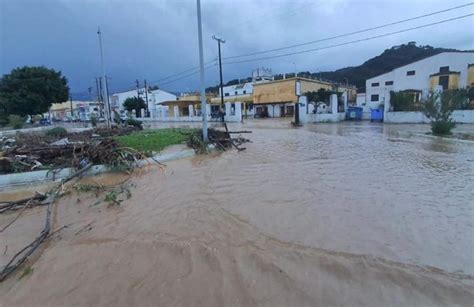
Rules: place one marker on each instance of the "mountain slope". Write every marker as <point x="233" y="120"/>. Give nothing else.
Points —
<point x="389" y="59"/>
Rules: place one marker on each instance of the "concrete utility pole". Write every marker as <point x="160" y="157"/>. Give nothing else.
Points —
<point x="219" y="41"/>
<point x="201" y="76"/>
<point x="70" y="103"/>
<point x="103" y="81"/>
<point x="146" y="101"/>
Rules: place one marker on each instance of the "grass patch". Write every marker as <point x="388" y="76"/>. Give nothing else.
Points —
<point x="154" y="140"/>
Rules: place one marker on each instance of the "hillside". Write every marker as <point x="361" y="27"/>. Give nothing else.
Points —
<point x="391" y="58"/>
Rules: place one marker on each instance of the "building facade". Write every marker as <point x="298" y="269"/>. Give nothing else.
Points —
<point x="155" y="97"/>
<point x="448" y="70"/>
<point x="75" y="110"/>
<point x="277" y="98"/>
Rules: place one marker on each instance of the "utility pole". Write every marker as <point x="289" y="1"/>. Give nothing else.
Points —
<point x="103" y="83"/>
<point x="108" y="101"/>
<point x="201" y="76"/>
<point x="137" y="85"/>
<point x="146" y="100"/>
<point x="70" y="104"/>
<point x="219" y="41"/>
<point x="98" y="85"/>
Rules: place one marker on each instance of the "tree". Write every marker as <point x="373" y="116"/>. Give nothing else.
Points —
<point x="439" y="107"/>
<point x="134" y="103"/>
<point x="32" y="90"/>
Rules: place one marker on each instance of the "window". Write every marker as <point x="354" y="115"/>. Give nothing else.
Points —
<point x="226" y="94"/>
<point x="410" y="73"/>
<point x="375" y="84"/>
<point x="235" y="93"/>
<point x="444" y="70"/>
<point x="388" y="82"/>
<point x="444" y="82"/>
<point x="245" y="92"/>
<point x="374" y="98"/>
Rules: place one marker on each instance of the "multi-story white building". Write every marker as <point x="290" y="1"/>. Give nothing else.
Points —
<point x="448" y="70"/>
<point x="155" y="97"/>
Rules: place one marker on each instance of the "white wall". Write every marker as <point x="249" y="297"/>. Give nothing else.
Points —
<point x="456" y="61"/>
<point x="459" y="116"/>
<point x="154" y="98"/>
<point x="241" y="89"/>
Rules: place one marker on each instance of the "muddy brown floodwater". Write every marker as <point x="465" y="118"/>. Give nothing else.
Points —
<point x="354" y="214"/>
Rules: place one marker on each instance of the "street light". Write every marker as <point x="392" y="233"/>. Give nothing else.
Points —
<point x="219" y="41"/>
<point x="201" y="76"/>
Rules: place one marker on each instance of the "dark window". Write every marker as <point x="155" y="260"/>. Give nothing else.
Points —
<point x="444" y="70"/>
<point x="375" y="84"/>
<point x="235" y="92"/>
<point x="374" y="98"/>
<point x="410" y="73"/>
<point x="388" y="82"/>
<point x="226" y="94"/>
<point x="444" y="82"/>
<point x="245" y="92"/>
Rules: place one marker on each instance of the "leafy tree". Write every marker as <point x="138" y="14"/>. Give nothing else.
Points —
<point x="403" y="101"/>
<point x="32" y="90"/>
<point x="321" y="95"/>
<point x="439" y="108"/>
<point x="134" y="103"/>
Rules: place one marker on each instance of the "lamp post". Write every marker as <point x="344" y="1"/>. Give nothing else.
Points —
<point x="103" y="81"/>
<point x="201" y="76"/>
<point x="219" y="41"/>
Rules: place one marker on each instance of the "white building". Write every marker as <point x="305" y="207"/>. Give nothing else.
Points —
<point x="155" y="97"/>
<point x="243" y="92"/>
<point x="449" y="70"/>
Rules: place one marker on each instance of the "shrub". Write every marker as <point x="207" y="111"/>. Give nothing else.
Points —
<point x="16" y="121"/>
<point x="57" y="132"/>
<point x="439" y="107"/>
<point x="134" y="122"/>
<point x="442" y="127"/>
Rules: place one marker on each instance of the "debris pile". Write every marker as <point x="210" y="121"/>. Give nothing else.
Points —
<point x="40" y="151"/>
<point x="221" y="139"/>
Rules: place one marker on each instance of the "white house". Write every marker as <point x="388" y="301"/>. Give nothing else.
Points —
<point x="448" y="70"/>
<point x="243" y="92"/>
<point x="155" y="97"/>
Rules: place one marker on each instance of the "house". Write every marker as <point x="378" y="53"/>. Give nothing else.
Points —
<point x="155" y="97"/>
<point x="277" y="98"/>
<point x="80" y="110"/>
<point x="242" y="92"/>
<point x="447" y="70"/>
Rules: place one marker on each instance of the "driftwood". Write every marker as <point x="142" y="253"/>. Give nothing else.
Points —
<point x="19" y="258"/>
<point x="35" y="200"/>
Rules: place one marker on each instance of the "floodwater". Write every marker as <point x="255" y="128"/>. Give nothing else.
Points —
<point x="352" y="214"/>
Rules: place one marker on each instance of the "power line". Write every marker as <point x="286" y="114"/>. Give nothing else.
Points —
<point x="350" y="42"/>
<point x="180" y="73"/>
<point x="349" y="34"/>
<point x="186" y="76"/>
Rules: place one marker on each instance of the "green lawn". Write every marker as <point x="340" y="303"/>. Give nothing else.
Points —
<point x="154" y="140"/>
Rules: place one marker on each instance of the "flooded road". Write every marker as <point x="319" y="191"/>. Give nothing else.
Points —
<point x="354" y="214"/>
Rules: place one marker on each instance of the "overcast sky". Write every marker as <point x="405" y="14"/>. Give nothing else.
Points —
<point x="152" y="39"/>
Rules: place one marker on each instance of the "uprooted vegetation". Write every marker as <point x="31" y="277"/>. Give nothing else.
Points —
<point x="56" y="150"/>
<point x="118" y="147"/>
